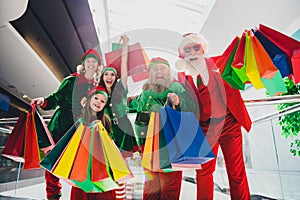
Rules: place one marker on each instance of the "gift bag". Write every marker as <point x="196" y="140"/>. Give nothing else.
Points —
<point x="137" y="59"/>
<point x="81" y="158"/>
<point x="287" y="44"/>
<point x="118" y="165"/>
<point x="270" y="75"/>
<point x="148" y="146"/>
<point x="29" y="140"/>
<point x="155" y="156"/>
<point x="279" y="58"/>
<point x="14" y="147"/>
<point x="185" y="140"/>
<point x="251" y="65"/>
<point x="224" y="63"/>
<point x="239" y="63"/>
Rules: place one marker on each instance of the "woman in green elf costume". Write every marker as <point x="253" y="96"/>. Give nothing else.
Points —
<point x="116" y="108"/>
<point x="67" y="102"/>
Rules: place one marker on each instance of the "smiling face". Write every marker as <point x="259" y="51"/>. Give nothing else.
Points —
<point x="109" y="77"/>
<point x="97" y="103"/>
<point x="160" y="74"/>
<point x="90" y="64"/>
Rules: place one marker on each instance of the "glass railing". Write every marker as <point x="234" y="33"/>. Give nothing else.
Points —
<point x="272" y="170"/>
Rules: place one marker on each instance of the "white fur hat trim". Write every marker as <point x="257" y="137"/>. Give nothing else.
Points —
<point x="193" y="38"/>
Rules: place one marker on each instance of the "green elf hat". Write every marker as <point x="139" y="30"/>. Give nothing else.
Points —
<point x="109" y="67"/>
<point x="97" y="90"/>
<point x="158" y="60"/>
<point x="91" y="53"/>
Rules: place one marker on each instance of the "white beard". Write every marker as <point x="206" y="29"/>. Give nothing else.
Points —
<point x="194" y="67"/>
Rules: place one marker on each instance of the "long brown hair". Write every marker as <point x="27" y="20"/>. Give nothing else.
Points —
<point x="88" y="117"/>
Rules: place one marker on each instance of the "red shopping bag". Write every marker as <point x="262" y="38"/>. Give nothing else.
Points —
<point x="238" y="63"/>
<point x="137" y="60"/>
<point x="29" y="141"/>
<point x="289" y="45"/>
<point x="14" y="147"/>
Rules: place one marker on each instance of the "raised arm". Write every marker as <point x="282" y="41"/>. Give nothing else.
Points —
<point x="124" y="60"/>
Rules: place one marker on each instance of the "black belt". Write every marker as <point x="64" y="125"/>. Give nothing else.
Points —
<point x="143" y="117"/>
<point x="214" y="119"/>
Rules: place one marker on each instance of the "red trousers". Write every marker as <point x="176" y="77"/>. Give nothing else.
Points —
<point x="226" y="134"/>
<point x="162" y="186"/>
<point x="53" y="186"/>
<point x="78" y="194"/>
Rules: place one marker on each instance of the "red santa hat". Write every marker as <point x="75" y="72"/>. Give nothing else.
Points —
<point x="98" y="90"/>
<point x="91" y="53"/>
<point x="192" y="38"/>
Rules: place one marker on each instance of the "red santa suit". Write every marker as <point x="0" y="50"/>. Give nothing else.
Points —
<point x="222" y="113"/>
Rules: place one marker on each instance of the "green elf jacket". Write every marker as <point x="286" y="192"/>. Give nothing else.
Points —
<point x="116" y="109"/>
<point x="149" y="101"/>
<point x="66" y="101"/>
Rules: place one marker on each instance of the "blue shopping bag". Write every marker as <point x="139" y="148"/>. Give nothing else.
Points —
<point x="184" y="137"/>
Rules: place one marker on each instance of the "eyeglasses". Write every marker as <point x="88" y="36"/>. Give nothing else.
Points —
<point x="189" y="48"/>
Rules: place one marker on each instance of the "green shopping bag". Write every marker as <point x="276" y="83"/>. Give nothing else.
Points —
<point x="239" y="63"/>
<point x="224" y="63"/>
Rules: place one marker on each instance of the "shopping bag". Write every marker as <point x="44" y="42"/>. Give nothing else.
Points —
<point x="100" y="170"/>
<point x="185" y="140"/>
<point x="92" y="178"/>
<point x="155" y="155"/>
<point x="139" y="76"/>
<point x="224" y="63"/>
<point x="29" y="141"/>
<point x="50" y="161"/>
<point x="80" y="159"/>
<point x="239" y="63"/>
<point x="14" y="147"/>
<point x="155" y="144"/>
<point x="279" y="58"/>
<point x="118" y="166"/>
<point x="289" y="45"/>
<point x="251" y="65"/>
<point x="137" y="59"/>
<point x="270" y="75"/>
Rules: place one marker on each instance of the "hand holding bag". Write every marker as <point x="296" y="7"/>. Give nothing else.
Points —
<point x="137" y="60"/>
<point x="185" y="140"/>
<point x="76" y="156"/>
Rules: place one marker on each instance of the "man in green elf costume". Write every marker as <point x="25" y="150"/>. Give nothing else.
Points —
<point x="67" y="100"/>
<point x="159" y="89"/>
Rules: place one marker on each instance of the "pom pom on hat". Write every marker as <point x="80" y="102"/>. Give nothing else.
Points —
<point x="97" y="90"/>
<point x="192" y="38"/>
<point x="158" y="60"/>
<point x="91" y="53"/>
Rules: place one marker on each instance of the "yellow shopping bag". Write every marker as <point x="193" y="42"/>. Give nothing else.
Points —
<point x="251" y="65"/>
<point x="147" y="153"/>
<point x="120" y="169"/>
<point x="66" y="160"/>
